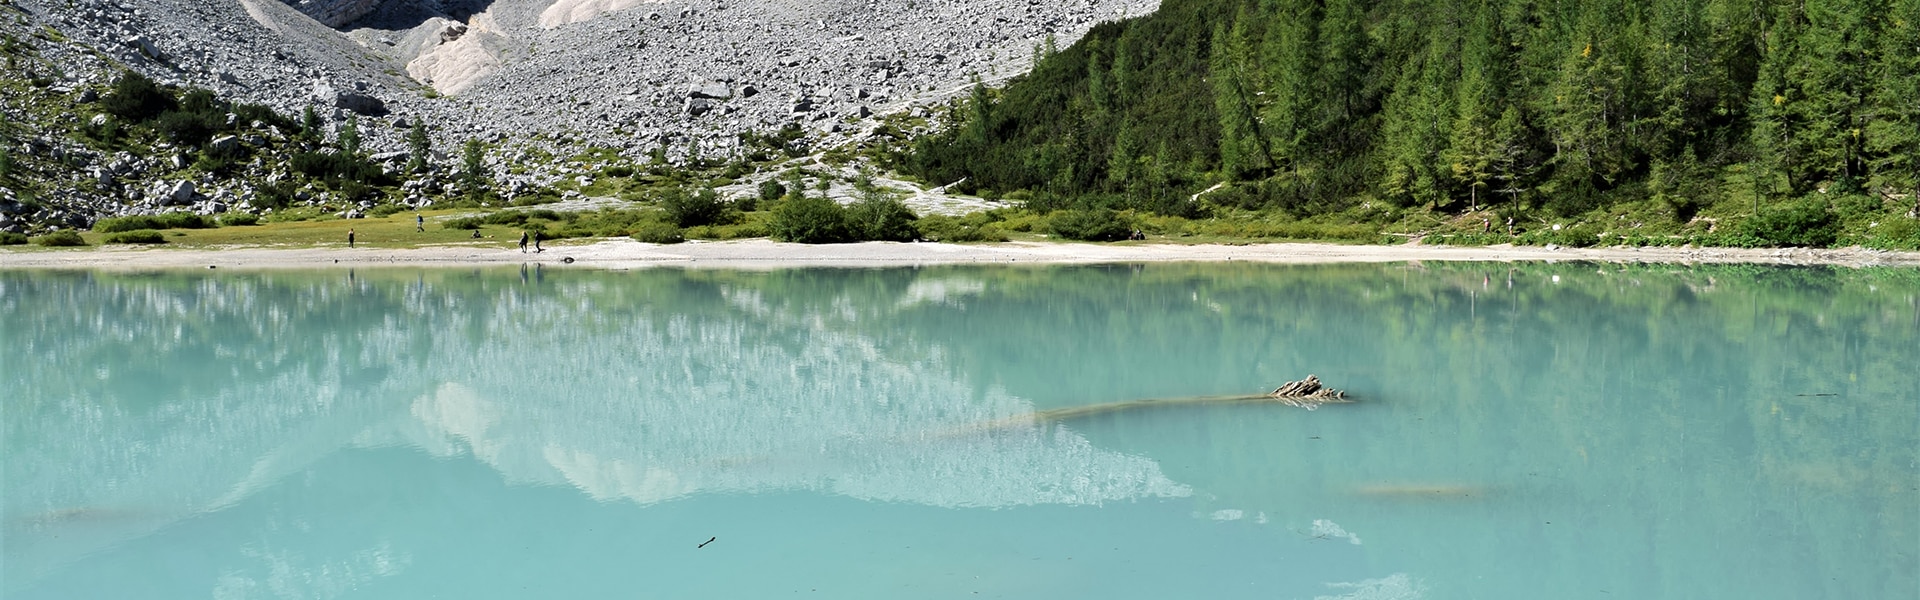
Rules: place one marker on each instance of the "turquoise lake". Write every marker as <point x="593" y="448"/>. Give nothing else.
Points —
<point x="1521" y="431"/>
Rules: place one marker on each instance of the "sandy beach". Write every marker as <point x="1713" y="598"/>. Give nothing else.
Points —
<point x="763" y="254"/>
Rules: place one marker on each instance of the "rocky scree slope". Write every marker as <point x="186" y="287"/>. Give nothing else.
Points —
<point x="633" y="75"/>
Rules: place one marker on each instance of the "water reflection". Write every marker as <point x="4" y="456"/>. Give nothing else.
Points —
<point x="1553" y="420"/>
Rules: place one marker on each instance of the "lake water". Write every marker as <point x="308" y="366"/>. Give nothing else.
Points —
<point x="1521" y="431"/>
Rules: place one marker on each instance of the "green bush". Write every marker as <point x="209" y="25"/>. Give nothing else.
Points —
<point x="617" y="171"/>
<point x="130" y="223"/>
<point x="8" y="238"/>
<point x="386" y="210"/>
<point x="879" y="218"/>
<point x="1900" y="233"/>
<point x="810" y="220"/>
<point x="771" y="190"/>
<point x="278" y="194"/>
<point x="66" y="237"/>
<point x="239" y="219"/>
<point x="136" y="98"/>
<point x="942" y="228"/>
<point x="174" y="220"/>
<point x="1804" y="223"/>
<point x="137" y="236"/>
<point x="1097" y="225"/>
<point x="693" y="209"/>
<point x="658" y="233"/>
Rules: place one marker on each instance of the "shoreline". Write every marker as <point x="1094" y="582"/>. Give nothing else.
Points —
<point x="764" y="254"/>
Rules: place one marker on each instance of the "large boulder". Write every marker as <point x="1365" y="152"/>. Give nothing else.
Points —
<point x="713" y="90"/>
<point x="334" y="13"/>
<point x="353" y="101"/>
<point x="180" y="194"/>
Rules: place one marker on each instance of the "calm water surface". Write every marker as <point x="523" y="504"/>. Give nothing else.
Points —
<point x="1523" y="431"/>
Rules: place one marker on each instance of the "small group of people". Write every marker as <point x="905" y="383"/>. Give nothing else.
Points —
<point x="524" y="236"/>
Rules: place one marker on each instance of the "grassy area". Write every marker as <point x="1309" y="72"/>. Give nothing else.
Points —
<point x="392" y="232"/>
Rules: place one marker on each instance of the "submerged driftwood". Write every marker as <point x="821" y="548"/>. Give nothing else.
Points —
<point x="1306" y="393"/>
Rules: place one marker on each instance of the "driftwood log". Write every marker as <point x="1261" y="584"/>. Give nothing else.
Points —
<point x="1307" y="393"/>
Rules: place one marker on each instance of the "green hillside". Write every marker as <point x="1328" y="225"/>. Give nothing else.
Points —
<point x="1736" y="122"/>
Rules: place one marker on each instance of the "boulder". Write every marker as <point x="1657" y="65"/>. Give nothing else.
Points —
<point x="145" y="46"/>
<point x="180" y="194"/>
<point x="698" y="106"/>
<point x="354" y="101"/>
<point x="362" y="104"/>
<point x="711" y="90"/>
<point x="225" y="143"/>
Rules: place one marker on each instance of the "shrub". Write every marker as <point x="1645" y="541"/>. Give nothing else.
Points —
<point x="658" y="233"/>
<point x="8" y="238"/>
<point x="175" y="220"/>
<point x="692" y="209"/>
<point x="186" y="128"/>
<point x="131" y="223"/>
<point x="617" y="171"/>
<point x="136" y="98"/>
<point x="183" y="220"/>
<point x="386" y="210"/>
<point x="882" y="219"/>
<point x="810" y="220"/>
<point x="771" y="190"/>
<point x="1097" y="225"/>
<point x="942" y="228"/>
<point x="137" y="236"/>
<point x="239" y="219"/>
<point x="1898" y="234"/>
<point x="278" y="194"/>
<point x="1805" y="223"/>
<point x="60" y="238"/>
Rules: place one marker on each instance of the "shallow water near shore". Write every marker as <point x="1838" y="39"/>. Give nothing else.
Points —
<point x="1521" y="431"/>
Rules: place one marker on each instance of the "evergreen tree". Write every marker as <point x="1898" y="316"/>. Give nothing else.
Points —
<point x="349" y="137"/>
<point x="473" y="166"/>
<point x="1417" y="126"/>
<point x="1838" y="45"/>
<point x="1289" y="55"/>
<point x="1243" y="149"/>
<point x="309" y="124"/>
<point x="1097" y="91"/>
<point x="1473" y="152"/>
<point x="1779" y="111"/>
<point x="418" y="147"/>
<point x="1894" y="134"/>
<point x="1591" y="117"/>
<point x="1345" y="70"/>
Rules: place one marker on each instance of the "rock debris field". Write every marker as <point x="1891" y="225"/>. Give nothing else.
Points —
<point x="633" y="75"/>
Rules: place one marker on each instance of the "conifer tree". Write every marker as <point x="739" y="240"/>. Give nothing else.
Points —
<point x="1894" y="134"/>
<point x="418" y="147"/>
<point x="1243" y="149"/>
<point x="349" y="136"/>
<point x="1289" y="55"/>
<point x="1778" y="110"/>
<point x="309" y="124"/>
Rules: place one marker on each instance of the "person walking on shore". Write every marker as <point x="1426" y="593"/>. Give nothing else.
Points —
<point x="349" y="238"/>
<point x="523" y="242"/>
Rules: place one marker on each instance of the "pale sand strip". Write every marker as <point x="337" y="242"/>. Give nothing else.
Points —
<point x="763" y="254"/>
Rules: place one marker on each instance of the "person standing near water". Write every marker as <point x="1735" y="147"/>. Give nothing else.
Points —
<point x="523" y="242"/>
<point x="349" y="238"/>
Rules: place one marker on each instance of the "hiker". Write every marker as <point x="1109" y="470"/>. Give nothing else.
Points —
<point x="476" y="234"/>
<point x="419" y="223"/>
<point x="349" y="238"/>
<point x="536" y="245"/>
<point x="523" y="242"/>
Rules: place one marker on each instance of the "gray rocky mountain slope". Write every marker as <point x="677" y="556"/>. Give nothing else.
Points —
<point x="634" y="75"/>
